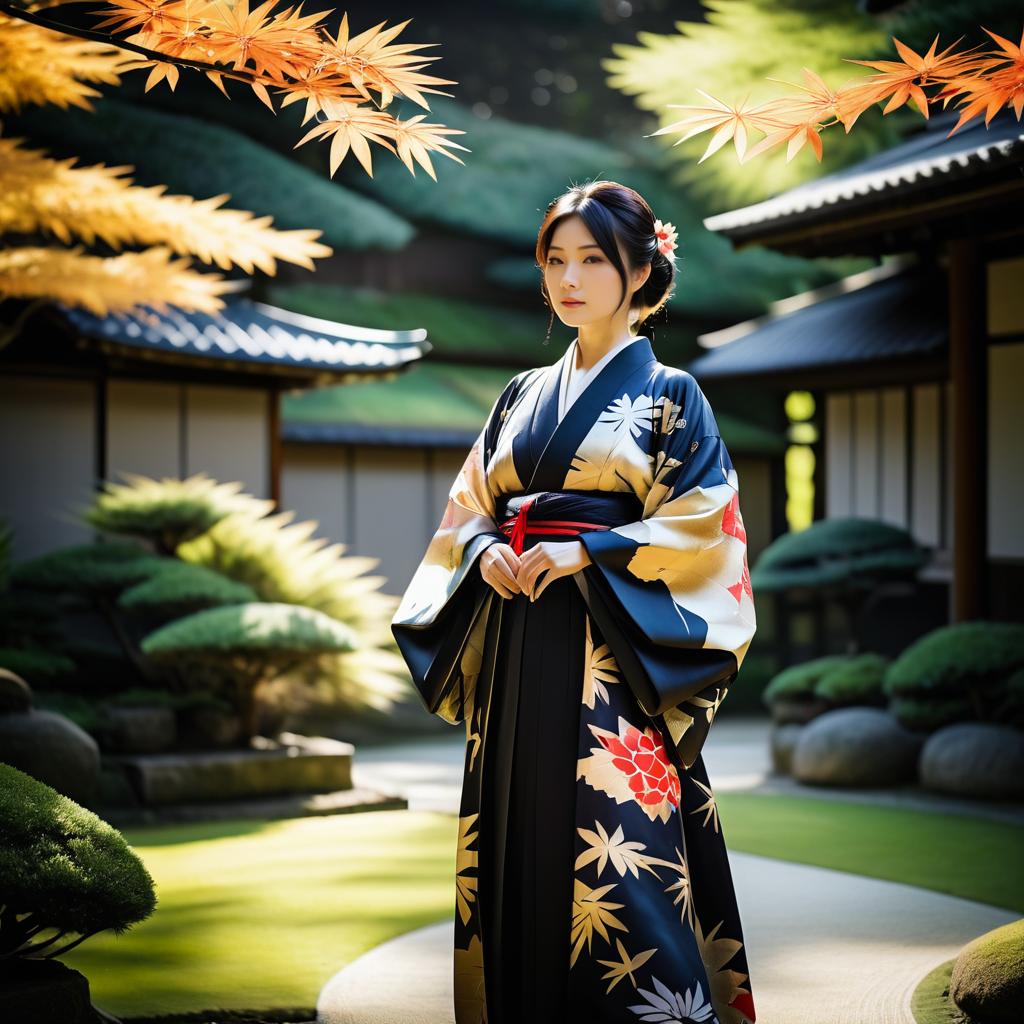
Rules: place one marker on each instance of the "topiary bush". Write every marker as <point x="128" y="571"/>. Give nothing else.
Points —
<point x="848" y="562"/>
<point x="93" y="576"/>
<point x="35" y="665"/>
<point x="282" y="562"/>
<point x="166" y="512"/>
<point x="65" y="874"/>
<point x="987" y="980"/>
<point x="237" y="649"/>
<point x="858" y="680"/>
<point x="956" y="673"/>
<point x="30" y="640"/>
<point x="177" y="589"/>
<point x="926" y="714"/>
<point x="838" y="550"/>
<point x="791" y="693"/>
<point x="100" y="570"/>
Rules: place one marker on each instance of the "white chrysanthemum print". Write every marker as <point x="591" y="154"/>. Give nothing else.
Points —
<point x="668" y="1007"/>
<point x="635" y="415"/>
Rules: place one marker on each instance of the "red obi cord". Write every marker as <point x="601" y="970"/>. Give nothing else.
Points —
<point x="517" y="527"/>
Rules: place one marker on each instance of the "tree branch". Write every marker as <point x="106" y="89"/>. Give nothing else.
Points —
<point x="13" y="11"/>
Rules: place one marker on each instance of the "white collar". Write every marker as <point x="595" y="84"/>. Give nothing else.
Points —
<point x="581" y="378"/>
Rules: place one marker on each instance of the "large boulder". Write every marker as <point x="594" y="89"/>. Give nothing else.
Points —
<point x="988" y="976"/>
<point x="52" y="749"/>
<point x="979" y="759"/>
<point x="855" y="747"/>
<point x="15" y="695"/>
<point x="783" y="742"/>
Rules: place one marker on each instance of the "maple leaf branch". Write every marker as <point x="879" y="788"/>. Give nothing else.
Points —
<point x="93" y="35"/>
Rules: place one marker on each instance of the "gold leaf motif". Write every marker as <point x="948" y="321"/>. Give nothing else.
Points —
<point x="589" y="914"/>
<point x="623" y="856"/>
<point x="626" y="966"/>
<point x="470" y="1000"/>
<point x="599" y="668"/>
<point x="725" y="984"/>
<point x="466" y="860"/>
<point x="709" y="805"/>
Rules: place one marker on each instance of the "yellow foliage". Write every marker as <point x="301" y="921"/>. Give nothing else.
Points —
<point x="114" y="284"/>
<point x="39" y="193"/>
<point x="266" y="47"/>
<point x="38" y="65"/>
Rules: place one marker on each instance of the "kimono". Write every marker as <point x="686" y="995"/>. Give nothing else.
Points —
<point x="592" y="877"/>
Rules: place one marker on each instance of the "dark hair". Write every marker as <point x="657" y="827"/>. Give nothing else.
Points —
<point x="613" y="212"/>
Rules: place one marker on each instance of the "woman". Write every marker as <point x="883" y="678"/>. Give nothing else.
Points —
<point x="582" y="608"/>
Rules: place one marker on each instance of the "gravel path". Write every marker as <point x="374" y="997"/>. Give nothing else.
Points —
<point x="824" y="946"/>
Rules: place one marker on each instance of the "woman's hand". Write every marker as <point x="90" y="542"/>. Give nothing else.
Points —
<point x="499" y="566"/>
<point x="555" y="559"/>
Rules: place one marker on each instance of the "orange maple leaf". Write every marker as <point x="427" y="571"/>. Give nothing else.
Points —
<point x="993" y="88"/>
<point x="900" y="81"/>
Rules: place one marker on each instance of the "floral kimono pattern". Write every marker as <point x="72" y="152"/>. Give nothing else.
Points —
<point x="592" y="879"/>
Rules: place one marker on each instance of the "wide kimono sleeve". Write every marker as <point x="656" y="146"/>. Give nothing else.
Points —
<point x="671" y="592"/>
<point x="447" y="599"/>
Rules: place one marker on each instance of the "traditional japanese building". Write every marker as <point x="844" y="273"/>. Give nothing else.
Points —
<point x="84" y="398"/>
<point x="915" y="366"/>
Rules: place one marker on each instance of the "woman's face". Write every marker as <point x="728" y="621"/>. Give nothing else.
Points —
<point x="577" y="269"/>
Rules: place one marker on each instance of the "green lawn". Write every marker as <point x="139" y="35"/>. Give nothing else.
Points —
<point x="969" y="857"/>
<point x="258" y="915"/>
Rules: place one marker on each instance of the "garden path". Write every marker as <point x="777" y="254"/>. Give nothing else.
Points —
<point x="824" y="946"/>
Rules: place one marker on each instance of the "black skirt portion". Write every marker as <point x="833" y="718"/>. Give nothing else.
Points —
<point x="528" y="799"/>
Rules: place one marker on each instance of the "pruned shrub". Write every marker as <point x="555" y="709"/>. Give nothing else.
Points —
<point x="926" y="714"/>
<point x="93" y="570"/>
<point x="790" y="694"/>
<point x="35" y="665"/>
<point x="65" y="874"/>
<point x="238" y="648"/>
<point x="282" y="562"/>
<point x="838" y="550"/>
<point x="166" y="512"/>
<point x="963" y="671"/>
<point x="858" y="680"/>
<point x="178" y="588"/>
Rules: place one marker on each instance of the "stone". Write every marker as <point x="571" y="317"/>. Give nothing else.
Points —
<point x="314" y="765"/>
<point x="139" y="730"/>
<point x="15" y="695"/>
<point x="977" y="759"/>
<point x="987" y="981"/>
<point x="856" y="746"/>
<point x="52" y="749"/>
<point x="203" y="728"/>
<point x="783" y="740"/>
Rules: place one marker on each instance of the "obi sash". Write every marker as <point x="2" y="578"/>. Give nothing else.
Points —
<point x="660" y="676"/>
<point x="564" y="514"/>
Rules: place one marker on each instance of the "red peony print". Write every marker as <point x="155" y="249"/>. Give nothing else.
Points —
<point x="641" y="757"/>
<point x="632" y="767"/>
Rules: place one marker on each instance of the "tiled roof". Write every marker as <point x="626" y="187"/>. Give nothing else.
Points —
<point x="928" y="159"/>
<point x="255" y="334"/>
<point x="884" y="313"/>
